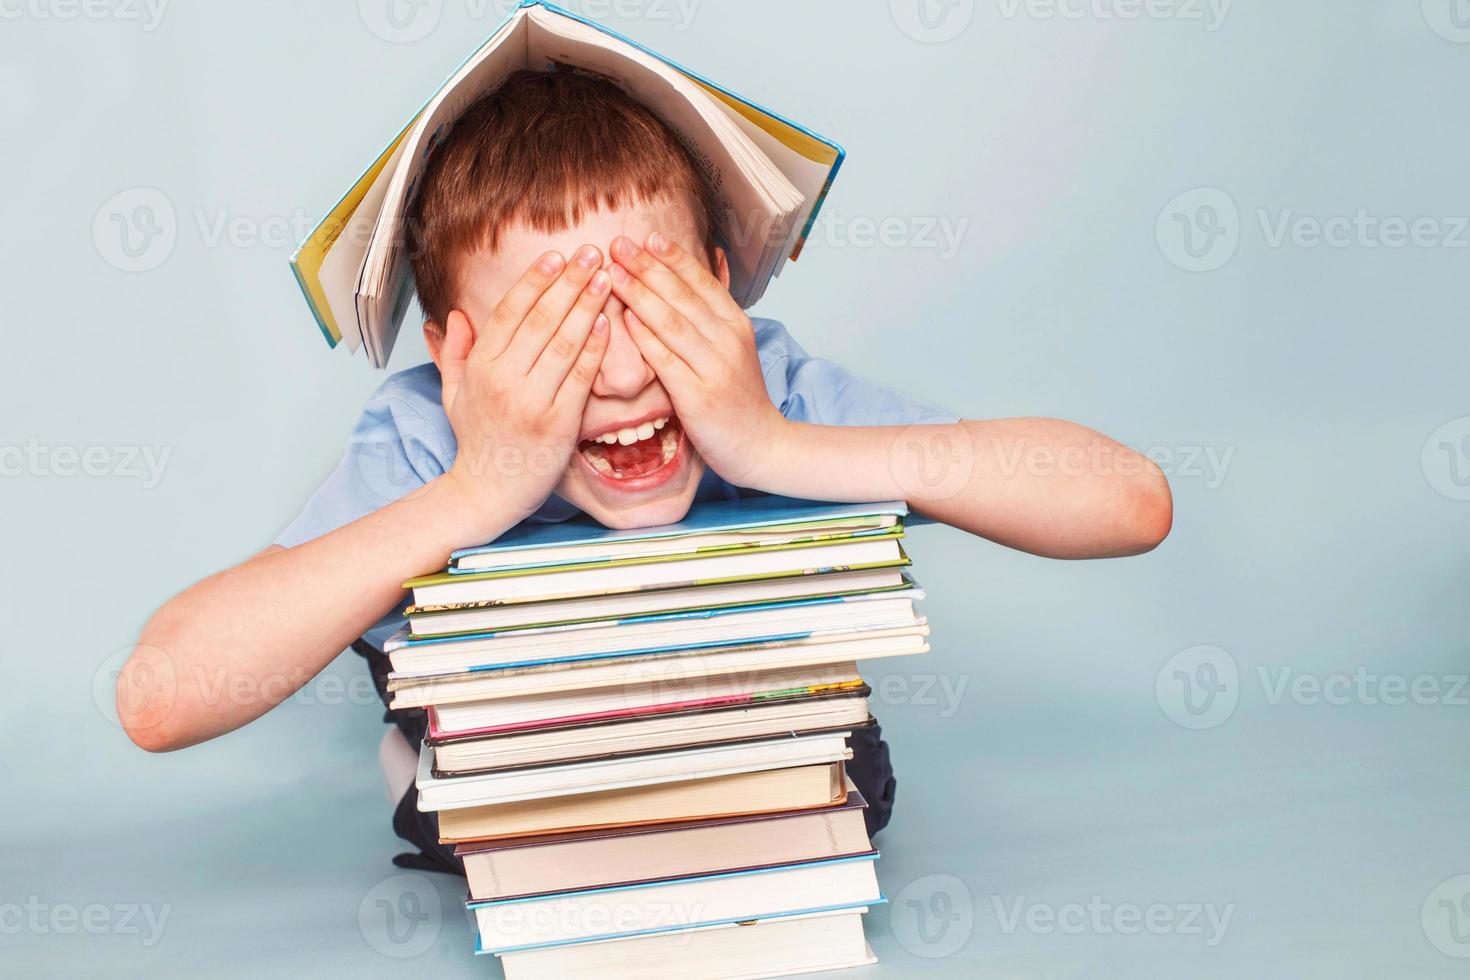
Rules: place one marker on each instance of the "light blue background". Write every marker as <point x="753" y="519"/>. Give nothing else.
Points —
<point x="1329" y="543"/>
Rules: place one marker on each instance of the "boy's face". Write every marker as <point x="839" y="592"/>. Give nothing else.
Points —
<point x="633" y="466"/>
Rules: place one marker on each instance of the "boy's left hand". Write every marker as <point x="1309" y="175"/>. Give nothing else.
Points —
<point x="702" y="346"/>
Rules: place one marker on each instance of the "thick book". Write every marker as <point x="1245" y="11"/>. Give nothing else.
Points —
<point x="740" y="522"/>
<point x="464" y="619"/>
<point x="624" y="672"/>
<point x="652" y="572"/>
<point x="763" y="791"/>
<point x="602" y="775"/>
<point x="590" y="915"/>
<point x="620" y="739"/>
<point x="769" y="175"/>
<point x="773" y="946"/>
<point x="653" y="696"/>
<point x="630" y="855"/>
<point x="689" y="631"/>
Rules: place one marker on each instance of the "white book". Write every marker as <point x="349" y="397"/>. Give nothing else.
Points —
<point x="633" y="671"/>
<point x="501" y="616"/>
<point x="768" y="947"/>
<point x="591" y="642"/>
<point x="652" y="734"/>
<point x="671" y="905"/>
<point x="444" y="589"/>
<point x="602" y="775"/>
<point x="608" y="703"/>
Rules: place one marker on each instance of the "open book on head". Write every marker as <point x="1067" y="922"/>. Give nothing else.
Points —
<point x="768" y="175"/>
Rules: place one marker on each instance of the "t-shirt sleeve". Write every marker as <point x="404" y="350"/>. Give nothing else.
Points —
<point x="396" y="447"/>
<point x="816" y="390"/>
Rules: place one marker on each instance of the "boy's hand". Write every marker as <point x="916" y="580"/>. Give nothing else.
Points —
<point x="515" y="389"/>
<point x="702" y="347"/>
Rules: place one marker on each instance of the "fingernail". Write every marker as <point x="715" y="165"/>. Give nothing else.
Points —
<point x="601" y="324"/>
<point x="626" y="246"/>
<point x="619" y="274"/>
<point x="658" y="243"/>
<point x="588" y="257"/>
<point x="599" y="282"/>
<point x="550" y="263"/>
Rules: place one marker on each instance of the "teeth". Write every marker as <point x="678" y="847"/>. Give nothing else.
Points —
<point x="632" y="433"/>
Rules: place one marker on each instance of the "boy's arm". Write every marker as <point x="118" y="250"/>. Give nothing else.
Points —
<point x="232" y="647"/>
<point x="227" y="650"/>
<point x="1045" y="486"/>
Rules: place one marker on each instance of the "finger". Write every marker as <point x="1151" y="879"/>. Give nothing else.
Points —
<point x="662" y="280"/>
<point x="578" y="382"/>
<point x="561" y="351"/>
<point x="545" y="317"/>
<point x="517" y="302"/>
<point x="671" y="327"/>
<point x="687" y="266"/>
<point x="454" y="349"/>
<point x="668" y="365"/>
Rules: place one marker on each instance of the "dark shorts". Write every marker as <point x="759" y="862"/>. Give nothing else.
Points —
<point x="869" y="770"/>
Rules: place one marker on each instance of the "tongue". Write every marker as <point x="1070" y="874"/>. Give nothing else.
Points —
<point x="641" y="457"/>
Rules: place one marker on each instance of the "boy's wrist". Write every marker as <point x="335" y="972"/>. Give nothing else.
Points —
<point x="784" y="447"/>
<point x="470" y="519"/>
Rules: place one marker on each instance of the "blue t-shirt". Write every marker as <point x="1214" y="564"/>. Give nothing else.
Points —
<point x="403" y="439"/>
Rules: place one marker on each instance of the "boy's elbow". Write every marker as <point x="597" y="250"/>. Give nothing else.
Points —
<point x="146" y="697"/>
<point x="1151" y="509"/>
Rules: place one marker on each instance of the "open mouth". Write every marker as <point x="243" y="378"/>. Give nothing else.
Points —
<point x="634" y="453"/>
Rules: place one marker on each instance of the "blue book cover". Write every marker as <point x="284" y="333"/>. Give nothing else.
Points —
<point x="871" y="855"/>
<point x="739" y="514"/>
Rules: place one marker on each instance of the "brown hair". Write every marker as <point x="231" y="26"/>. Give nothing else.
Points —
<point x="542" y="150"/>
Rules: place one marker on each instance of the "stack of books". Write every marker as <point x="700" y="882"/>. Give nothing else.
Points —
<point x="637" y="738"/>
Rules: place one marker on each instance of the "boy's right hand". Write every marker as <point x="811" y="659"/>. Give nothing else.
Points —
<point x="515" y="388"/>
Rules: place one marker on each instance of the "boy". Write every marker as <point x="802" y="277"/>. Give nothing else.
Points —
<point x="587" y="356"/>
